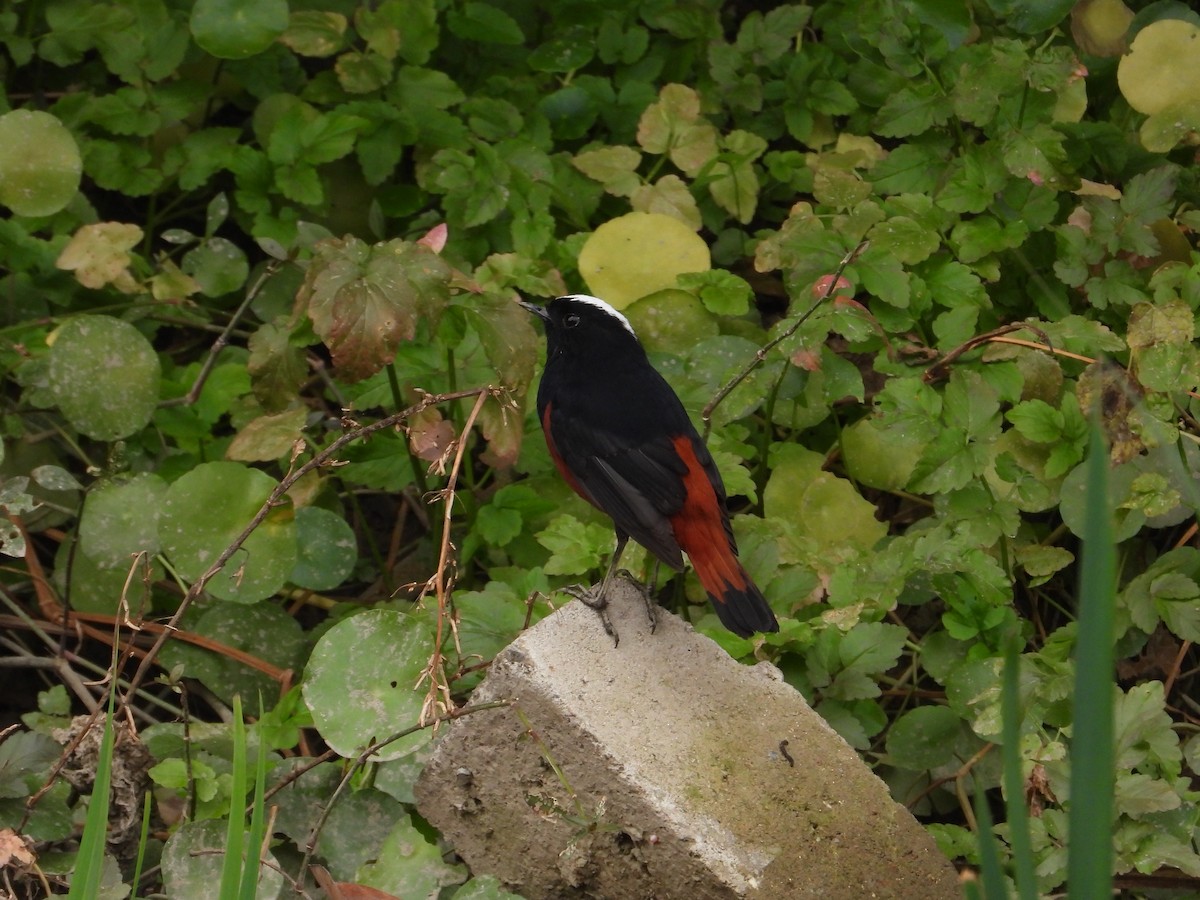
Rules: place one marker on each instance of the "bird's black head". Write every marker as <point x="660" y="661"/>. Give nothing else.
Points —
<point x="578" y="326"/>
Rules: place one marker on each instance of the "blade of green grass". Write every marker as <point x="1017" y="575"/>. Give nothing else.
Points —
<point x="89" y="864"/>
<point x="235" y="834"/>
<point x="141" y="854"/>
<point x="989" y="853"/>
<point x="1014" y="781"/>
<point x="1090" y="824"/>
<point x="258" y="824"/>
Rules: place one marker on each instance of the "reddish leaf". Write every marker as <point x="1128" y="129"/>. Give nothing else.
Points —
<point x="435" y="238"/>
<point x="364" y="300"/>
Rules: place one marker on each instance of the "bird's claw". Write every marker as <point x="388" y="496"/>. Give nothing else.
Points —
<point x="647" y="597"/>
<point x="594" y="597"/>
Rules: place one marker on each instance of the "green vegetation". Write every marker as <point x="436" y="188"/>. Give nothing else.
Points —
<point x="265" y="385"/>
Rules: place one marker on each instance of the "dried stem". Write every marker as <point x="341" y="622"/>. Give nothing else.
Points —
<point x="443" y="583"/>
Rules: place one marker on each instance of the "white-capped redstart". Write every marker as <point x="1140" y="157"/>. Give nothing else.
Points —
<point x="623" y="441"/>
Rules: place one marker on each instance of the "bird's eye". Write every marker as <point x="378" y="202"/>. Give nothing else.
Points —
<point x="571" y="321"/>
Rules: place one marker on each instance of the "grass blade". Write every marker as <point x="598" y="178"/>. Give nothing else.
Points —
<point x="235" y="835"/>
<point x="1016" y="811"/>
<point x="89" y="864"/>
<point x="258" y="824"/>
<point x="1090" y="824"/>
<point x="990" y="872"/>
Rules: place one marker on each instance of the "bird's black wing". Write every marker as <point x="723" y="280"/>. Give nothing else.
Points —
<point x="638" y="484"/>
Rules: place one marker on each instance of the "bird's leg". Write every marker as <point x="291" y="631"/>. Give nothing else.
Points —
<point x="597" y="598"/>
<point x="648" y="596"/>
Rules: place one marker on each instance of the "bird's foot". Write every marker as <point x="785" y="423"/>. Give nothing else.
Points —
<point x="595" y="597"/>
<point x="647" y="593"/>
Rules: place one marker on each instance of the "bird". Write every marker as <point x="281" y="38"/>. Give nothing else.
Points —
<point x="622" y="440"/>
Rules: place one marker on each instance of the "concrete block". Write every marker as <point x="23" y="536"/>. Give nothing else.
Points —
<point x="655" y="770"/>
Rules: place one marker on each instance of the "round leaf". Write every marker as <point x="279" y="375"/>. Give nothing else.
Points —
<point x="207" y="509"/>
<point x="232" y="29"/>
<point x="880" y="457"/>
<point x="104" y="376"/>
<point x="361" y="682"/>
<point x="924" y="738"/>
<point x="219" y="267"/>
<point x="98" y="587"/>
<point x="326" y="549"/>
<point x="262" y="630"/>
<point x="121" y="518"/>
<point x="194" y="856"/>
<point x="40" y="163"/>
<point x="638" y="254"/>
<point x="671" y="321"/>
<point x="1159" y="72"/>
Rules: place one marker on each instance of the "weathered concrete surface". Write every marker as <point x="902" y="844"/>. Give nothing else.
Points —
<point x="654" y="770"/>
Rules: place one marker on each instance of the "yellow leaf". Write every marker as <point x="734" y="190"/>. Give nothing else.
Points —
<point x="98" y="254"/>
<point x="1160" y="70"/>
<point x="1099" y="26"/>
<point x="638" y="254"/>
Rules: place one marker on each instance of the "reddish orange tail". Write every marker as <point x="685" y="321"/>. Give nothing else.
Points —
<point x="739" y="603"/>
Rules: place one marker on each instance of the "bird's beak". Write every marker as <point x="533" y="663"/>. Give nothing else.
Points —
<point x="536" y="310"/>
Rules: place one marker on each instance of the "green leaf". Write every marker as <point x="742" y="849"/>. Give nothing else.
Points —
<point x="219" y="266"/>
<point x="671" y="321"/>
<point x="484" y="887"/>
<point x="722" y="292"/>
<point x="314" y="33"/>
<point x="614" y="167"/>
<point x="277" y="368"/>
<point x="268" y="437"/>
<point x="229" y="29"/>
<point x="363" y="73"/>
<point x="410" y="865"/>
<point x="565" y="52"/>
<point x="924" y="738"/>
<point x="104" y="376"/>
<point x="25" y="758"/>
<point x="1037" y="420"/>
<point x="1142" y="731"/>
<point x="194" y="856"/>
<point x="231" y="494"/>
<point x="672" y="126"/>
<point x="484" y="23"/>
<point x="120" y="518"/>
<point x="362" y="682"/>
<point x="575" y="548"/>
<point x="40" y="165"/>
<point x="261" y="631"/>
<point x="912" y="110"/>
<point x="326" y="549"/>
<point x="818" y="504"/>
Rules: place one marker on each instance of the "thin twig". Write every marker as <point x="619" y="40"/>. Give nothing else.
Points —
<point x="937" y="371"/>
<point x="760" y="355"/>
<point x="222" y="340"/>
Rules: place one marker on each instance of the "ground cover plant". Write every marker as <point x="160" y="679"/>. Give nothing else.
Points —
<point x="267" y="425"/>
